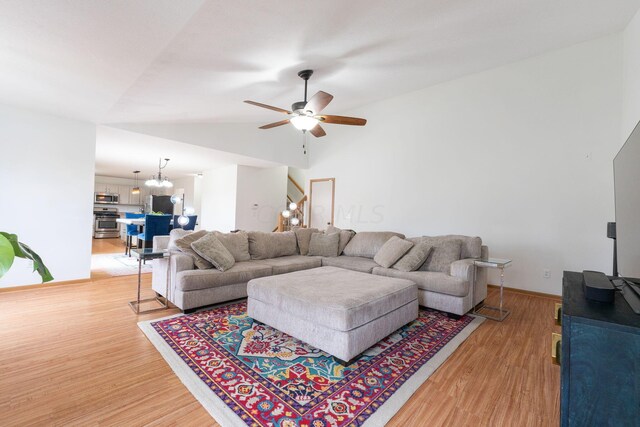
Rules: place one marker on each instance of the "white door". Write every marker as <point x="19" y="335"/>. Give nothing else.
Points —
<point x="321" y="203"/>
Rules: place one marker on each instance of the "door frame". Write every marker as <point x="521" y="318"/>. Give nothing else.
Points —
<point x="333" y="196"/>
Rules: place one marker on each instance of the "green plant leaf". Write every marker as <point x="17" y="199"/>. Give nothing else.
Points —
<point x="6" y="255"/>
<point x="38" y="265"/>
<point x="22" y="250"/>
<point x="13" y="239"/>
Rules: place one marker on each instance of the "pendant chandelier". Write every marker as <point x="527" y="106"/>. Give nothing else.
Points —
<point x="159" y="181"/>
<point x="136" y="189"/>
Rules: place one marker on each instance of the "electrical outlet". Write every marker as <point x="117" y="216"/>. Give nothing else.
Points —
<point x="546" y="273"/>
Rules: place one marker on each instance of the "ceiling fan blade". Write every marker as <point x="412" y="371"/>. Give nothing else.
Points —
<point x="317" y="131"/>
<point x="318" y="102"/>
<point x="270" y="107"/>
<point x="276" y="124"/>
<point x="342" y="120"/>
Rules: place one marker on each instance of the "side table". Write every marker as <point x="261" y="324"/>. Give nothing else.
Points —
<point x="491" y="263"/>
<point x="147" y="254"/>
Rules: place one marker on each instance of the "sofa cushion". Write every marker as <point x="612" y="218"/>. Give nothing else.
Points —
<point x="471" y="245"/>
<point x="414" y="259"/>
<point x="392" y="251"/>
<point x="212" y="249"/>
<point x="264" y="245"/>
<point x="236" y="243"/>
<point x="241" y="272"/>
<point x="303" y="236"/>
<point x="368" y="243"/>
<point x="431" y="281"/>
<point x="287" y="264"/>
<point x="332" y="297"/>
<point x="175" y="234"/>
<point x="361" y="264"/>
<point x="184" y="244"/>
<point x="345" y="237"/>
<point x="324" y="244"/>
<point x="445" y="251"/>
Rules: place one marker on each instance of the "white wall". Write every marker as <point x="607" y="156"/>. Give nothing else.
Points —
<point x="218" y="202"/>
<point x="198" y="185"/>
<point x="261" y="194"/>
<point x="520" y="155"/>
<point x="280" y="145"/>
<point x="117" y="180"/>
<point x="300" y="175"/>
<point x="46" y="179"/>
<point x="242" y="197"/>
<point x="631" y="77"/>
<point x="185" y="184"/>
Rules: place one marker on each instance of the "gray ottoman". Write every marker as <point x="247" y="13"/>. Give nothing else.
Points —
<point x="339" y="311"/>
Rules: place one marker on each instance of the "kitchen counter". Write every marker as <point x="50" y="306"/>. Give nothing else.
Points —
<point x="131" y="221"/>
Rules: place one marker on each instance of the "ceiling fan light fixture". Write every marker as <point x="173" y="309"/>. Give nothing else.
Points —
<point x="304" y="114"/>
<point x="304" y="122"/>
<point x="159" y="182"/>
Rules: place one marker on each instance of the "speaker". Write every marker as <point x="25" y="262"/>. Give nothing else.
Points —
<point x="611" y="233"/>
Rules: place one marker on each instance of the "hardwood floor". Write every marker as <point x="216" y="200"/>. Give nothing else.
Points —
<point x="107" y="246"/>
<point x="73" y="355"/>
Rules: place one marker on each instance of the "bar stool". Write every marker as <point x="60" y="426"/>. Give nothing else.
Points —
<point x="189" y="226"/>
<point x="132" y="230"/>
<point x="154" y="225"/>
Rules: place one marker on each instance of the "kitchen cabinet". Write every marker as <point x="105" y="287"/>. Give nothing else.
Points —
<point x="100" y="187"/>
<point x="134" y="199"/>
<point x="140" y="198"/>
<point x="125" y="194"/>
<point x="126" y="198"/>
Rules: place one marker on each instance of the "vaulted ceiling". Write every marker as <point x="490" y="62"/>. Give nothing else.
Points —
<point x="197" y="60"/>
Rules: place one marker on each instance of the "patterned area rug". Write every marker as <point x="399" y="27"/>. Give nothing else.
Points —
<point x="247" y="373"/>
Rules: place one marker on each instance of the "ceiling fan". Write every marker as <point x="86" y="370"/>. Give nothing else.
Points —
<point x="305" y="115"/>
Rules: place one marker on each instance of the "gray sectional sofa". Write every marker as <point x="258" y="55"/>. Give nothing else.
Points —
<point x="268" y="254"/>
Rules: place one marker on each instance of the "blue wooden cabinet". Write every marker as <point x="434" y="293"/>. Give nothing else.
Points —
<point x="600" y="360"/>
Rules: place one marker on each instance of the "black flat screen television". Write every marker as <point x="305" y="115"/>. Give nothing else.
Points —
<point x="626" y="171"/>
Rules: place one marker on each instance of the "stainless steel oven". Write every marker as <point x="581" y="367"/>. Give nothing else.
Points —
<point x="104" y="223"/>
<point x="106" y="198"/>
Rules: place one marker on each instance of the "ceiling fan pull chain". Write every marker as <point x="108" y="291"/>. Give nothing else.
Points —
<point x="304" y="142"/>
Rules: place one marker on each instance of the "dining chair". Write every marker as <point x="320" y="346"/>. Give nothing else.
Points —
<point x="132" y="230"/>
<point x="191" y="225"/>
<point x="154" y="225"/>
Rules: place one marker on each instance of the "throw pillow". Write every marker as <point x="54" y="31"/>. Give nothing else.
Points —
<point x="445" y="251"/>
<point x="211" y="248"/>
<point x="303" y="237"/>
<point x="392" y="251"/>
<point x="264" y="245"/>
<point x="324" y="244"/>
<point x="367" y="243"/>
<point x="236" y="243"/>
<point x="345" y="237"/>
<point x="184" y="244"/>
<point x="175" y="234"/>
<point x="412" y="260"/>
